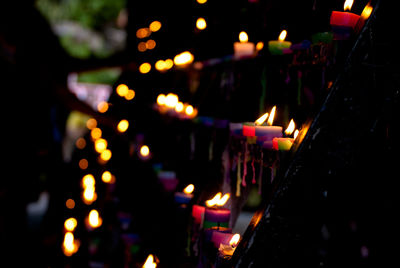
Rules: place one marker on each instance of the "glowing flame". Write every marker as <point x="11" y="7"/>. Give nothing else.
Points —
<point x="130" y="95"/>
<point x="105" y="155"/>
<point x="189" y="110"/>
<point x="290" y="128"/>
<point x="171" y="100"/>
<point x="184" y="58"/>
<point x="234" y="240"/>
<point x="144" y="68"/>
<point x="201" y="24"/>
<point x="347" y="5"/>
<point x="222" y="201"/>
<point x="296" y="132"/>
<point x="95" y="133"/>
<point x="179" y="107"/>
<point x="271" y="116"/>
<point x="89" y="195"/>
<point x="144" y="151"/>
<point x="262" y="119"/>
<point x="243" y="37"/>
<point x="366" y="11"/>
<point x="161" y="99"/>
<point x="282" y="36"/>
<point x="189" y="189"/>
<point x="100" y="145"/>
<point x="155" y="26"/>
<point x="88" y="181"/>
<point x="217" y="200"/>
<point x="122" y="90"/>
<point x="149" y="263"/>
<point x="70" y="224"/>
<point x="70" y="245"/>
<point x="259" y="46"/>
<point x="94" y="219"/>
<point x="123" y="125"/>
<point x="106" y="176"/>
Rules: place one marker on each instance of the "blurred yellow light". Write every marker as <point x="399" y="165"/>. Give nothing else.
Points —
<point x="142" y="47"/>
<point x="160" y="65"/>
<point x="155" y="26"/>
<point x="144" y="68"/>
<point x="150" y="44"/>
<point x="243" y="37"/>
<point x="106" y="176"/>
<point x="189" y="110"/>
<point x="80" y="143"/>
<point x="91" y="123"/>
<point x="282" y="35"/>
<point x="201" y="1"/>
<point x="168" y="64"/>
<point x="70" y="224"/>
<point x="184" y="58"/>
<point x="89" y="195"/>
<point x="100" y="145"/>
<point x="123" y="125"/>
<point x="271" y="116"/>
<point x="130" y="95"/>
<point x="234" y="240"/>
<point x="122" y="90"/>
<point x="94" y="219"/>
<point x="70" y="245"/>
<point x="70" y="203"/>
<point x="144" y="151"/>
<point x="189" y="189"/>
<point x="201" y="24"/>
<point x="161" y="99"/>
<point x="83" y="163"/>
<point x="179" y="107"/>
<point x="102" y="107"/>
<point x="259" y="46"/>
<point x="106" y="155"/>
<point x="95" y="133"/>
<point x="143" y="33"/>
<point x="171" y="100"/>
<point x="88" y="181"/>
<point x="149" y="263"/>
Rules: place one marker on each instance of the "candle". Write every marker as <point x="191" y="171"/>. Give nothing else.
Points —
<point x="168" y="180"/>
<point x="185" y="196"/>
<point x="229" y="248"/>
<point x="214" y="214"/>
<point x="198" y="214"/>
<point x="280" y="46"/>
<point x="267" y="132"/>
<point x="343" y="23"/>
<point x="221" y="237"/>
<point x="284" y="144"/>
<point x="243" y="48"/>
<point x="249" y="129"/>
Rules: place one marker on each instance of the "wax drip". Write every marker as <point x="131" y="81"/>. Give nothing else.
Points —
<point x="254" y="172"/>
<point x="260" y="173"/>
<point x="238" y="176"/>
<point x="244" y="166"/>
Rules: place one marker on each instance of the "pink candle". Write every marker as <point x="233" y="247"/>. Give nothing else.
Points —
<point x="198" y="214"/>
<point x="218" y="238"/>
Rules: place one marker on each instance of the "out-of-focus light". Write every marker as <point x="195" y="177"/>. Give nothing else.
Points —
<point x="189" y="110"/>
<point x="88" y="181"/>
<point x="91" y="123"/>
<point x="168" y="64"/>
<point x="70" y="224"/>
<point x="123" y="125"/>
<point x="282" y="35"/>
<point x="259" y="46"/>
<point x="144" y="151"/>
<point x="243" y="37"/>
<point x="80" y="143"/>
<point x="100" y="145"/>
<point x="201" y="24"/>
<point x="150" y="44"/>
<point x="94" y="219"/>
<point x="201" y="1"/>
<point x="70" y="245"/>
<point x="102" y="107"/>
<point x="142" y="47"/>
<point x="161" y="99"/>
<point x="179" y="107"/>
<point x="143" y="33"/>
<point x="89" y="195"/>
<point x="149" y="263"/>
<point x="106" y="155"/>
<point x="171" y="100"/>
<point x="160" y="65"/>
<point x="106" y="176"/>
<point x="183" y="58"/>
<point x="144" y="68"/>
<point x="96" y="133"/>
<point x="70" y="203"/>
<point x="122" y="90"/>
<point x="83" y="163"/>
<point x="155" y="26"/>
<point x="189" y="189"/>
<point x="130" y="95"/>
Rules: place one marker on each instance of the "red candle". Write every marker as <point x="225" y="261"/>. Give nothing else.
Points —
<point x="341" y="21"/>
<point x="198" y="213"/>
<point x="249" y="129"/>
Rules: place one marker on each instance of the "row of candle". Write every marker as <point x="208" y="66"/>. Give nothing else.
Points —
<point x="171" y="104"/>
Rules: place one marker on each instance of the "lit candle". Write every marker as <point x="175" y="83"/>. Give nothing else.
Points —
<point x="267" y="132"/>
<point x="284" y="144"/>
<point x="280" y="46"/>
<point x="228" y="249"/>
<point x="214" y="214"/>
<point x="168" y="180"/>
<point x="343" y="23"/>
<point x="221" y="237"/>
<point x="185" y="196"/>
<point x="198" y="214"/>
<point x="243" y="48"/>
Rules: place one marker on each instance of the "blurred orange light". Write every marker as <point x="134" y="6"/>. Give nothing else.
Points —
<point x="70" y="224"/>
<point x="122" y="90"/>
<point x="150" y="44"/>
<point x="155" y="26"/>
<point x="123" y="125"/>
<point x="102" y="107"/>
<point x="130" y="95"/>
<point x="144" y="151"/>
<point x="184" y="58"/>
<point x="259" y="46"/>
<point x="168" y="63"/>
<point x="83" y="164"/>
<point x="289" y="130"/>
<point x="70" y="203"/>
<point x="171" y="100"/>
<point x="189" y="189"/>
<point x="142" y="47"/>
<point x="100" y="145"/>
<point x="94" y="219"/>
<point x="201" y="24"/>
<point x="282" y="35"/>
<point x="88" y="181"/>
<point x="234" y="240"/>
<point x="243" y="37"/>
<point x="95" y="133"/>
<point x="143" y="33"/>
<point x="106" y="155"/>
<point x="189" y="110"/>
<point x="106" y="176"/>
<point x="160" y="65"/>
<point x="262" y="119"/>
<point x="91" y="123"/>
<point x="144" y="68"/>
<point x="179" y="107"/>
<point x="201" y="1"/>
<point x="271" y="116"/>
<point x="80" y="143"/>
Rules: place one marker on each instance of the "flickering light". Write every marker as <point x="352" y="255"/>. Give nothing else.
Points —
<point x="70" y="203"/>
<point x="259" y="46"/>
<point x="143" y="33"/>
<point x="83" y="163"/>
<point x="144" y="68"/>
<point x="80" y="143"/>
<point x="70" y="245"/>
<point x="94" y="219"/>
<point x="106" y="176"/>
<point x="149" y="263"/>
<point x="130" y="95"/>
<point x="271" y="116"/>
<point x="201" y="24"/>
<point x="347" y="5"/>
<point x="91" y="123"/>
<point x="123" y="125"/>
<point x="243" y="37"/>
<point x="161" y="99"/>
<point x="105" y="155"/>
<point x="201" y="1"/>
<point x="100" y="145"/>
<point x="289" y="130"/>
<point x="282" y="35"/>
<point x="262" y="119"/>
<point x="70" y="224"/>
<point x="122" y="90"/>
<point x="189" y="110"/>
<point x="155" y="26"/>
<point x="95" y="133"/>
<point x="179" y="107"/>
<point x="144" y="151"/>
<point x="189" y="189"/>
<point x="234" y="240"/>
<point x="102" y="107"/>
<point x="366" y="12"/>
<point x="171" y="100"/>
<point x="183" y="58"/>
<point x="150" y="44"/>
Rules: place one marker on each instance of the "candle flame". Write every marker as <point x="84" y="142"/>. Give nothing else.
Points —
<point x="290" y="128"/>
<point x="94" y="219"/>
<point x="282" y="36"/>
<point x="161" y="99"/>
<point x="243" y="37"/>
<point x="70" y="224"/>
<point x="223" y="200"/>
<point x="296" y="132"/>
<point x="234" y="240"/>
<point x="347" y="5"/>
<point x="262" y="119"/>
<point x="217" y="200"/>
<point x="366" y="11"/>
<point x="189" y="189"/>
<point x="123" y="125"/>
<point x="144" y="150"/>
<point x="183" y="58"/>
<point x="149" y="263"/>
<point x="271" y="116"/>
<point x="70" y="245"/>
